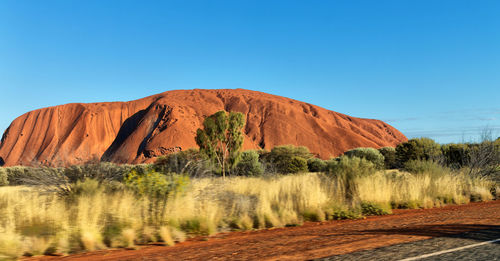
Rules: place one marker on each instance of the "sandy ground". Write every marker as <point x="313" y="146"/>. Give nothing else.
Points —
<point x="316" y="239"/>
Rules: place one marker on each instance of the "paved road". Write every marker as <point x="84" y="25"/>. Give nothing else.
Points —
<point x="419" y="249"/>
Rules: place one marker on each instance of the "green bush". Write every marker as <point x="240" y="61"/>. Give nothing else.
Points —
<point x="87" y="187"/>
<point x="153" y="184"/>
<point x="346" y="169"/>
<point x="190" y="162"/>
<point x="338" y="212"/>
<point x="286" y="159"/>
<point x="456" y="155"/>
<point x="369" y="154"/>
<point x="102" y="171"/>
<point x="389" y="154"/>
<point x="375" y="209"/>
<point x="157" y="188"/>
<point x="249" y="164"/>
<point x="316" y="165"/>
<point x="63" y="180"/>
<point x="408" y="204"/>
<point x="20" y="175"/>
<point x="426" y="166"/>
<point x="417" y="149"/>
<point x="313" y="215"/>
<point x="344" y="166"/>
<point x="296" y="165"/>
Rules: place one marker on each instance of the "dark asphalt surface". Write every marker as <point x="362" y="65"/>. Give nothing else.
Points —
<point x="408" y="250"/>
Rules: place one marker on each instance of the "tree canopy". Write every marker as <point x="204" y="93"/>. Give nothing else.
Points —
<point x="221" y="138"/>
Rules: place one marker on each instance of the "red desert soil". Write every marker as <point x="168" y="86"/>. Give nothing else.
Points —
<point x="138" y="131"/>
<point x="315" y="240"/>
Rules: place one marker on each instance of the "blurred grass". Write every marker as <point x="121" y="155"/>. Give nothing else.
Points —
<point x="97" y="216"/>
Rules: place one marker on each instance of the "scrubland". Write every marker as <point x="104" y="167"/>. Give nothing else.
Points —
<point x="96" y="206"/>
<point x="97" y="215"/>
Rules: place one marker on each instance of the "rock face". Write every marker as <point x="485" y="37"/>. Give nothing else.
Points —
<point x="138" y="131"/>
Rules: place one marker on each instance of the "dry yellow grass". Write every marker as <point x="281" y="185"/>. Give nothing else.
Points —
<point x="37" y="222"/>
<point x="422" y="190"/>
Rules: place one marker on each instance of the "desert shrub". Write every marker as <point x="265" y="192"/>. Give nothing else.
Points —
<point x="316" y="165"/>
<point x="297" y="165"/>
<point x="157" y="188"/>
<point x="484" y="160"/>
<point x="102" y="171"/>
<point x="286" y="159"/>
<point x="249" y="164"/>
<point x="417" y="149"/>
<point x="290" y="151"/>
<point x="375" y="209"/>
<point x="350" y="166"/>
<point x="87" y="187"/>
<point x="190" y="162"/>
<point x="4" y="178"/>
<point x="336" y="212"/>
<point x="19" y="175"/>
<point x="369" y="154"/>
<point x="456" y="155"/>
<point x="347" y="169"/>
<point x="54" y="177"/>
<point x="62" y="180"/>
<point x="389" y="154"/>
<point x="313" y="215"/>
<point x="426" y="166"/>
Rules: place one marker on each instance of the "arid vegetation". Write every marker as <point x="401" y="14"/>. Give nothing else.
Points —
<point x="102" y="205"/>
<point x="168" y="208"/>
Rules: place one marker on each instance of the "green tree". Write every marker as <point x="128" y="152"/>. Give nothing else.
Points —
<point x="221" y="138"/>
<point x="389" y="154"/>
<point x="418" y="149"/>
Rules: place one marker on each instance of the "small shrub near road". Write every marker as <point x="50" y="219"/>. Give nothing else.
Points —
<point x="375" y="209"/>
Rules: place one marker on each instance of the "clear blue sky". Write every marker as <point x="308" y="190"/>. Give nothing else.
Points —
<point x="429" y="68"/>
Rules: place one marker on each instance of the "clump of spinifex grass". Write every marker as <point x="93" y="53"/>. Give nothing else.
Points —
<point x="154" y="207"/>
